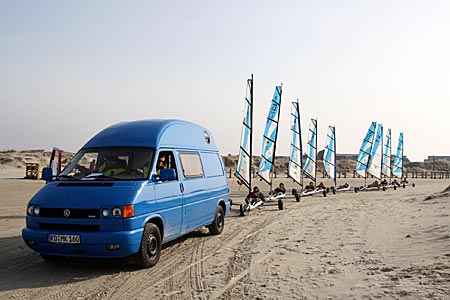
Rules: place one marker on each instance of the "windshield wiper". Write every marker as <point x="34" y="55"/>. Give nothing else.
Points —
<point x="95" y="176"/>
<point x="67" y="177"/>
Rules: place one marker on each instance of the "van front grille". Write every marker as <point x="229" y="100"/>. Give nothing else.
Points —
<point x="69" y="227"/>
<point x="72" y="213"/>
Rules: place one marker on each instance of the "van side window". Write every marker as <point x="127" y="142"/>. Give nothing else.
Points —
<point x="191" y="164"/>
<point x="166" y="161"/>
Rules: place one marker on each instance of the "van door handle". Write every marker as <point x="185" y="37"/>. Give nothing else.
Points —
<point x="181" y="187"/>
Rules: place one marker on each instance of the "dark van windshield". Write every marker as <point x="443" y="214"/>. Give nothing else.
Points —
<point x="109" y="164"/>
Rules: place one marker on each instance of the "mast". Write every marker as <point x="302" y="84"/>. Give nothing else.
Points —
<point x="334" y="150"/>
<point x="251" y="137"/>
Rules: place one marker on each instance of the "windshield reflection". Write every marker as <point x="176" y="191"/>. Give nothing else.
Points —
<point x="126" y="163"/>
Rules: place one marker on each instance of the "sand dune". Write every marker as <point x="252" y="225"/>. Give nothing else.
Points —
<point x="367" y="245"/>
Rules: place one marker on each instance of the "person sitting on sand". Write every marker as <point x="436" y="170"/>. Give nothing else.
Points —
<point x="321" y="186"/>
<point x="309" y="187"/>
<point x="395" y="182"/>
<point x="373" y="184"/>
<point x="280" y="189"/>
<point x="253" y="197"/>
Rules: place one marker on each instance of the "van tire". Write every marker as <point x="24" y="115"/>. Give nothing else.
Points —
<point x="217" y="225"/>
<point x="150" y="249"/>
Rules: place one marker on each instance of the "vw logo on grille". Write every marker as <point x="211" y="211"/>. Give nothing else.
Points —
<point x="66" y="213"/>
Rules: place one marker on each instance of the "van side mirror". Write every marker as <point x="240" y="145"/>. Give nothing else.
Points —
<point x="47" y="174"/>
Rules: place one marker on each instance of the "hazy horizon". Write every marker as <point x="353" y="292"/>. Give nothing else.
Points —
<point x="69" y="69"/>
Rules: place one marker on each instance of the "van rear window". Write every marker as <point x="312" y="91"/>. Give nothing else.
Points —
<point x="191" y="165"/>
<point x="213" y="164"/>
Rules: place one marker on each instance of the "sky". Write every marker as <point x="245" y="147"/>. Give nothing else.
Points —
<point x="68" y="69"/>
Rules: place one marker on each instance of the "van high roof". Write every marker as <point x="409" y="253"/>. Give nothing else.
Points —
<point x="154" y="133"/>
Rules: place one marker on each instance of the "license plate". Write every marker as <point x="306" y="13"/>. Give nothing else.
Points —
<point x="64" y="238"/>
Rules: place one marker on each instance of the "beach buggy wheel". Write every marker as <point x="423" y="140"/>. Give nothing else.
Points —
<point x="384" y="188"/>
<point x="280" y="204"/>
<point x="217" y="225"/>
<point x="150" y="249"/>
<point x="324" y="193"/>
<point x="333" y="190"/>
<point x="395" y="187"/>
<point x="244" y="209"/>
<point x="297" y="197"/>
<point x="413" y="185"/>
<point x="356" y="189"/>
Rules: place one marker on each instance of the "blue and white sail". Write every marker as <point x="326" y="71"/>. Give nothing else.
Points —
<point x="329" y="155"/>
<point x="376" y="155"/>
<point x="365" y="151"/>
<point x="244" y="166"/>
<point x="295" y="158"/>
<point x="387" y="153"/>
<point x="397" y="168"/>
<point x="270" y="138"/>
<point x="310" y="167"/>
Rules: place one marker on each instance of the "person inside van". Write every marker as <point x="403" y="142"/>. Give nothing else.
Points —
<point x="112" y="165"/>
<point x="161" y="164"/>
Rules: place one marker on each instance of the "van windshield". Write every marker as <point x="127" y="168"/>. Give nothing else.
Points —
<point x="128" y="163"/>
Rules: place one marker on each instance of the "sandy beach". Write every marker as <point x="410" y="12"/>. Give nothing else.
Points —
<point x="367" y="245"/>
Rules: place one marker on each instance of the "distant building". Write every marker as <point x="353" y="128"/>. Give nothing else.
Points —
<point x="346" y="156"/>
<point x="432" y="158"/>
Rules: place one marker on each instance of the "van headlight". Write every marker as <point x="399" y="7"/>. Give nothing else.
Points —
<point x="116" y="212"/>
<point x="33" y="210"/>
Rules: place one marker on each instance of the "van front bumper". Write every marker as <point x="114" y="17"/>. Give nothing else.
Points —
<point x="92" y="244"/>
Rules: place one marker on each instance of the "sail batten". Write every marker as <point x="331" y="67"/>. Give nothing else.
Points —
<point x="310" y="167"/>
<point x="362" y="161"/>
<point x="296" y="153"/>
<point x="397" y="168"/>
<point x="376" y="154"/>
<point x="329" y="157"/>
<point x="270" y="137"/>
<point x="243" y="170"/>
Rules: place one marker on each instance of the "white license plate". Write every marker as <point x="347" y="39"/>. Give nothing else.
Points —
<point x="64" y="238"/>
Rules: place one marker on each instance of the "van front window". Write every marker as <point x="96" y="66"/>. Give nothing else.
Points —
<point x="109" y="164"/>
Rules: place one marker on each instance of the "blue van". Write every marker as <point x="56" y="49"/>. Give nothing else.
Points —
<point x="131" y="188"/>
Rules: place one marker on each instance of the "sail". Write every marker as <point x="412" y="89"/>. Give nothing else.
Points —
<point x="270" y="137"/>
<point x="329" y="155"/>
<point x="243" y="171"/>
<point x="386" y="163"/>
<point x="365" y="150"/>
<point x="311" y="153"/>
<point x="376" y="154"/>
<point x="397" y="168"/>
<point x="295" y="159"/>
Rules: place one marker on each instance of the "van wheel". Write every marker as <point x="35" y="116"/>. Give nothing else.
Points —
<point x="52" y="258"/>
<point x="150" y="249"/>
<point x="217" y="225"/>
